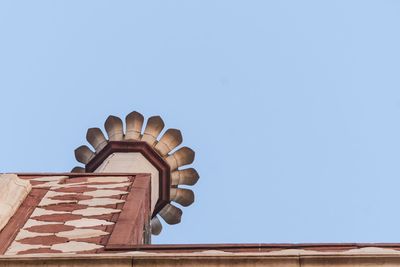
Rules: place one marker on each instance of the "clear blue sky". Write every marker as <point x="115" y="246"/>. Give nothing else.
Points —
<point x="293" y="107"/>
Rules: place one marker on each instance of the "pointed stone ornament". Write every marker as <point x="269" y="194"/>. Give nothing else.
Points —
<point x="96" y="138"/>
<point x="114" y="128"/>
<point x="171" y="214"/>
<point x="134" y="124"/>
<point x="153" y="128"/>
<point x="183" y="196"/>
<point x="83" y="154"/>
<point x="130" y="139"/>
<point x="170" y="140"/>
<point x="184" y="177"/>
<point x="181" y="157"/>
<point x="156" y="226"/>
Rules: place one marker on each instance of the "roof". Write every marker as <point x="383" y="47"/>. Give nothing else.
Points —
<point x="78" y="213"/>
<point x="101" y="218"/>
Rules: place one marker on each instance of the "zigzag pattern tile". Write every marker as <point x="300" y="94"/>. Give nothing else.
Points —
<point x="74" y="215"/>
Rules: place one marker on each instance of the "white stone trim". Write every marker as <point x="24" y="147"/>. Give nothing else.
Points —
<point x="13" y="191"/>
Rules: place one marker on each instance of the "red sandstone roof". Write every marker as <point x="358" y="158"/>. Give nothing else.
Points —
<point x="100" y="214"/>
<point x="70" y="213"/>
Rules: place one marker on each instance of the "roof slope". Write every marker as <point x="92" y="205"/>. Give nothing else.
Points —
<point x="77" y="214"/>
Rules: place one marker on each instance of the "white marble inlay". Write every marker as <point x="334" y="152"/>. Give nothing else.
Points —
<point x="48" y="201"/>
<point x="81" y="233"/>
<point x="100" y="201"/>
<point x="104" y="193"/>
<point x="18" y="247"/>
<point x="26" y="234"/>
<point x="32" y="222"/>
<point x="95" y="211"/>
<point x="51" y="194"/>
<point x="47" y="184"/>
<point x="40" y="212"/>
<point x="85" y="222"/>
<point x="108" y="179"/>
<point x="50" y="179"/>
<point x="74" y="246"/>
<point x="102" y="186"/>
